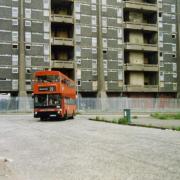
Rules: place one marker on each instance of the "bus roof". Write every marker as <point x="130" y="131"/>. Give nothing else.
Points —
<point x="46" y="72"/>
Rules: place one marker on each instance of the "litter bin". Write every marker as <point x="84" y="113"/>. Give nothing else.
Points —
<point x="127" y="115"/>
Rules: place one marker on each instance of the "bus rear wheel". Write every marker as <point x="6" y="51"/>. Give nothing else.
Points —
<point x="73" y="114"/>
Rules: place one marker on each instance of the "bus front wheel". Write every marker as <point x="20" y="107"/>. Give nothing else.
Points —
<point x="42" y="119"/>
<point x="65" y="116"/>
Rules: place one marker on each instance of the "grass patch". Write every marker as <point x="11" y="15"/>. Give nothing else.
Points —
<point x="114" y="121"/>
<point x="176" y="128"/>
<point x="135" y="117"/>
<point x="124" y="121"/>
<point x="164" y="116"/>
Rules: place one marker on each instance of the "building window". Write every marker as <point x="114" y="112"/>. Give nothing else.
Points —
<point x="28" y="47"/>
<point x="46" y="36"/>
<point x="46" y="4"/>
<point x="27" y="23"/>
<point x="46" y="26"/>
<point x="14" y="22"/>
<point x="14" y="84"/>
<point x="104" y="22"/>
<point x="46" y="58"/>
<point x="94" y="42"/>
<point x="28" y="37"/>
<point x="46" y="49"/>
<point x="14" y="35"/>
<point x="94" y="51"/>
<point x="28" y="61"/>
<point x="27" y="1"/>
<point x="79" y="82"/>
<point x="78" y="51"/>
<point x="15" y="46"/>
<point x="14" y="70"/>
<point x="93" y="20"/>
<point x="78" y="29"/>
<point x="174" y="55"/>
<point x="46" y="13"/>
<point x="78" y="7"/>
<point x="14" y="60"/>
<point x="93" y="7"/>
<point x="27" y="13"/>
<point x="160" y="14"/>
<point x="15" y="12"/>
<point x="173" y="36"/>
<point x="28" y="70"/>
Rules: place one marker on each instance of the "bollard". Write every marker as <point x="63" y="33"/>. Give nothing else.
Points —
<point x="127" y="115"/>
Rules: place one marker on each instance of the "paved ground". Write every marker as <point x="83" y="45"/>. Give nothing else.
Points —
<point x="85" y="150"/>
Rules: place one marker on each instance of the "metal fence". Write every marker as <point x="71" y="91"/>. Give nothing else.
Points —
<point x="98" y="105"/>
<point x="16" y="104"/>
<point x="117" y="105"/>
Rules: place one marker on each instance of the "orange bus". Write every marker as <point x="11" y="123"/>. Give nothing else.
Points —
<point x="54" y="95"/>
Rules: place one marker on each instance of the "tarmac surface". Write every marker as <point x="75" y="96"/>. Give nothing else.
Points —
<point x="80" y="149"/>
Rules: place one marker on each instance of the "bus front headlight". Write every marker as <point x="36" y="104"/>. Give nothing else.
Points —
<point x="59" y="111"/>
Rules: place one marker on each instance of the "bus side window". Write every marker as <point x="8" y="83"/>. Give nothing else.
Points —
<point x="63" y="81"/>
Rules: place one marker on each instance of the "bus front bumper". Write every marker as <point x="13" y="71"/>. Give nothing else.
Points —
<point x="47" y="114"/>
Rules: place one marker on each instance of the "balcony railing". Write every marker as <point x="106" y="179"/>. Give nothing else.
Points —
<point x="140" y="6"/>
<point x="141" y="47"/>
<point x="62" y="18"/>
<point x="63" y="64"/>
<point x="145" y="88"/>
<point x="141" y="26"/>
<point x="141" y="67"/>
<point x="62" y="41"/>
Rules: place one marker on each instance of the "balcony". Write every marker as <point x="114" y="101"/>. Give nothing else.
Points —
<point x="141" y="47"/>
<point x="62" y="18"/>
<point x="140" y="6"/>
<point x="141" y="67"/>
<point x="62" y="41"/>
<point x="145" y="88"/>
<point x="62" y="64"/>
<point x="140" y="26"/>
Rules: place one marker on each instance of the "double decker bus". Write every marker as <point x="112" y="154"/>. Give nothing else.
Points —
<point x="54" y="95"/>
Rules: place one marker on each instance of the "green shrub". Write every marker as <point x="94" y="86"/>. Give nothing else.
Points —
<point x="135" y="117"/>
<point x="97" y="118"/>
<point x="123" y="121"/>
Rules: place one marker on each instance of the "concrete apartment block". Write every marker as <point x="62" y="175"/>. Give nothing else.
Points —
<point x="118" y="47"/>
<point x="35" y="41"/>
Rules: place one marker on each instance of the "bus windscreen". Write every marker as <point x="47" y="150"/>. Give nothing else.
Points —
<point x="47" y="78"/>
<point x="47" y="100"/>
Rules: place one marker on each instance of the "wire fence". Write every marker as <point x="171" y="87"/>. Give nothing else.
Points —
<point x="117" y="105"/>
<point x="98" y="105"/>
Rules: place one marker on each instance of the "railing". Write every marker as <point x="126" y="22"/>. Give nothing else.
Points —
<point x="141" y="67"/>
<point x="63" y="64"/>
<point x="148" y="47"/>
<point x="145" y="26"/>
<point x="63" y="41"/>
<point x="117" y="105"/>
<point x="97" y="105"/>
<point x="141" y="5"/>
<point x="62" y="18"/>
